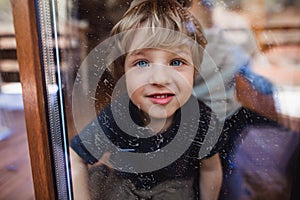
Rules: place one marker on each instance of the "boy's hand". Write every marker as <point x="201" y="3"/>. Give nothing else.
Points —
<point x="104" y="160"/>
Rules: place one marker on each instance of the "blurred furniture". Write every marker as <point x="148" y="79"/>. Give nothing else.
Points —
<point x="8" y="58"/>
<point x="270" y="35"/>
<point x="277" y="28"/>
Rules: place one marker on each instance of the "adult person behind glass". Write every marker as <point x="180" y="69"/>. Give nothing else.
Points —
<point x="226" y="58"/>
<point x="223" y="61"/>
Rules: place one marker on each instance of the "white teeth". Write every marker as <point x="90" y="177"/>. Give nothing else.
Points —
<point x="160" y="96"/>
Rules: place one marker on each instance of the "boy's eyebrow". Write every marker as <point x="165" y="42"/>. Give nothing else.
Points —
<point x="181" y="51"/>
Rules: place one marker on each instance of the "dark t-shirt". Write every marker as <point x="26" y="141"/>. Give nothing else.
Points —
<point x="150" y="160"/>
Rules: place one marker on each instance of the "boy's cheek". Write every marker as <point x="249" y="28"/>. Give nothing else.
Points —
<point x="133" y="85"/>
<point x="135" y="78"/>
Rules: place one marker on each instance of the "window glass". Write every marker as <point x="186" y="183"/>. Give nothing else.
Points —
<point x="114" y="101"/>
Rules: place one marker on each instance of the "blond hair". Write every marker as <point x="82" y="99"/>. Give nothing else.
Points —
<point x="163" y="24"/>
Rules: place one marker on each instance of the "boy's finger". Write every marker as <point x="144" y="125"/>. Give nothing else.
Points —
<point x="105" y="160"/>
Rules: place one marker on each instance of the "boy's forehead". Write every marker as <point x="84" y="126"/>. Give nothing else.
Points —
<point x="162" y="38"/>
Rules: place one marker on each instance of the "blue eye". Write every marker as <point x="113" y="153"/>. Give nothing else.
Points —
<point x="176" y="63"/>
<point x="142" y="63"/>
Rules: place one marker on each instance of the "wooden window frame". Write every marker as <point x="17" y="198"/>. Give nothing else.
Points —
<point x="26" y="32"/>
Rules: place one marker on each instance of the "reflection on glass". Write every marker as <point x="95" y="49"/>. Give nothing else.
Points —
<point x="237" y="80"/>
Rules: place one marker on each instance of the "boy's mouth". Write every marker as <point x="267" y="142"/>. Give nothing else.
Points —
<point x="161" y="98"/>
<point x="161" y="95"/>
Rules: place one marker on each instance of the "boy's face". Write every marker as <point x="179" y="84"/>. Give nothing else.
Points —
<point x="159" y="81"/>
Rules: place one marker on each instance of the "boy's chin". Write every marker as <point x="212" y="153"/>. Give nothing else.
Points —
<point x="160" y="114"/>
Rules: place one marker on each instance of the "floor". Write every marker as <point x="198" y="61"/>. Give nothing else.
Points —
<point x="15" y="172"/>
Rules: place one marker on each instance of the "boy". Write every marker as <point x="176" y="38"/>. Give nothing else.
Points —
<point x="156" y="156"/>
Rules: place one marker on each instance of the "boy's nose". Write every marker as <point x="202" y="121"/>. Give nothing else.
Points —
<point x="159" y="75"/>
